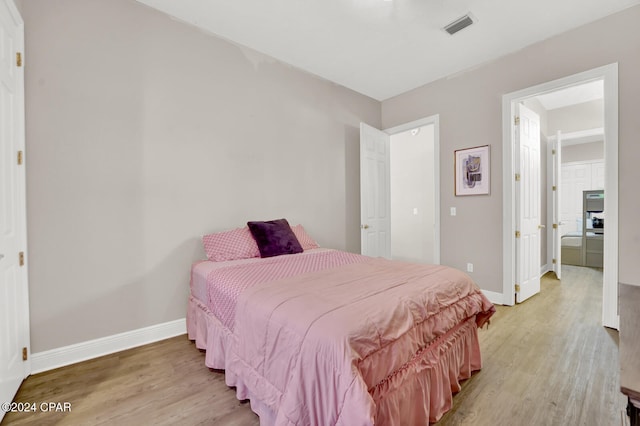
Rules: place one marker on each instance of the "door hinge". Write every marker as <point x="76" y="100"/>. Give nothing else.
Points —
<point x="555" y="226"/>
<point x="25" y="355"/>
<point x="516" y="120"/>
<point x="518" y="288"/>
<point x="517" y="177"/>
<point x="554" y="261"/>
<point x="19" y="59"/>
<point x="21" y="258"/>
<point x="19" y="158"/>
<point x="553" y="188"/>
<point x="553" y="152"/>
<point x="517" y="234"/>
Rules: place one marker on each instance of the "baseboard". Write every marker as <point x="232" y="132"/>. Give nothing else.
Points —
<point x="59" y="357"/>
<point x="544" y="269"/>
<point x="496" y="298"/>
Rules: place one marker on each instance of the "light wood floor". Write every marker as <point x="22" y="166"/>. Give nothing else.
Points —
<point x="547" y="361"/>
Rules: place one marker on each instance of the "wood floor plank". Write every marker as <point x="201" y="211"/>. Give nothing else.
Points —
<point x="547" y="361"/>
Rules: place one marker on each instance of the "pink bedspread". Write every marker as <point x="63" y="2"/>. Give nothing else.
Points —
<point x="324" y="348"/>
<point x="225" y="281"/>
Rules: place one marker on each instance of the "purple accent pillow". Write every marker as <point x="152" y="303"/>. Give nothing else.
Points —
<point x="274" y="237"/>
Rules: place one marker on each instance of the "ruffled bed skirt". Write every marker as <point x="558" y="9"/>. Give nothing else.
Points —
<point x="421" y="389"/>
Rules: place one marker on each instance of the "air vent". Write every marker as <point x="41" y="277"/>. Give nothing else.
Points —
<point x="459" y="24"/>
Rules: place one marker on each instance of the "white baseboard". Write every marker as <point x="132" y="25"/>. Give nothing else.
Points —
<point x="496" y="298"/>
<point x="59" y="357"/>
<point x="544" y="269"/>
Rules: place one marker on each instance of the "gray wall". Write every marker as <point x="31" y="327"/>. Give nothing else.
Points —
<point x="584" y="116"/>
<point x="470" y="108"/>
<point x="583" y="152"/>
<point x="143" y="134"/>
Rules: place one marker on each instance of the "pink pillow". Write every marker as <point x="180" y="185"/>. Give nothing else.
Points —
<point x="230" y="245"/>
<point x="305" y="240"/>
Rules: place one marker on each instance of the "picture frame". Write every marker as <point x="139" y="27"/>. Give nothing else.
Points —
<point x="472" y="171"/>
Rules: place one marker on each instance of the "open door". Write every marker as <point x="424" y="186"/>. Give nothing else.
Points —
<point x="14" y="303"/>
<point x="375" y="221"/>
<point x="527" y="149"/>
<point x="556" y="158"/>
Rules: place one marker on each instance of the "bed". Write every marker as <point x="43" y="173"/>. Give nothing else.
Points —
<point x="328" y="337"/>
<point x="573" y="252"/>
<point x="571" y="247"/>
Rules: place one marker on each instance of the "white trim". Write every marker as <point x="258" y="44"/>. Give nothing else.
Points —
<point x="494" y="297"/>
<point x="435" y="120"/>
<point x="549" y="212"/>
<point x="59" y="357"/>
<point x="584" y="162"/>
<point x="544" y="269"/>
<point x="580" y="137"/>
<point x="609" y="74"/>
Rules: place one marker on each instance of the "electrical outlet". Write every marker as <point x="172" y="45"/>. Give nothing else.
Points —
<point x="453" y="211"/>
<point x="469" y="267"/>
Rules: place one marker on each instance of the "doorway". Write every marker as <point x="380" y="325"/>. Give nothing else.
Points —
<point x="608" y="74"/>
<point x="412" y="195"/>
<point x="420" y="205"/>
<point x="572" y="153"/>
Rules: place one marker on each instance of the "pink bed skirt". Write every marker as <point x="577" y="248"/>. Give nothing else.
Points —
<point x="423" y="389"/>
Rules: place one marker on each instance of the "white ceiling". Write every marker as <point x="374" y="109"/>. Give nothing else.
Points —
<point x="572" y="95"/>
<point x="383" y="48"/>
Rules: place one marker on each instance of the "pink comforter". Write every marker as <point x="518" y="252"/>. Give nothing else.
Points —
<point x="318" y="348"/>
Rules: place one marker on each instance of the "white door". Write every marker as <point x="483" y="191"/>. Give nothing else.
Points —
<point x="375" y="221"/>
<point x="14" y="304"/>
<point x="527" y="204"/>
<point x="556" y="182"/>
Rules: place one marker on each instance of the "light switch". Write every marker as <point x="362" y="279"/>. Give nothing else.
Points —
<point x="415" y="211"/>
<point x="453" y="211"/>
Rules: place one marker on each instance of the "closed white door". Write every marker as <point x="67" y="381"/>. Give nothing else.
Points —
<point x="14" y="305"/>
<point x="556" y="189"/>
<point x="528" y="204"/>
<point x="375" y="221"/>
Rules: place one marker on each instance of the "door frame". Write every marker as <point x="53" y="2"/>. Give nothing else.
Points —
<point x="609" y="75"/>
<point x="19" y="120"/>
<point x="554" y="201"/>
<point x="435" y="121"/>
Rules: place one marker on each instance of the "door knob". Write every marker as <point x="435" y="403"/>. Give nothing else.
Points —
<point x="365" y="226"/>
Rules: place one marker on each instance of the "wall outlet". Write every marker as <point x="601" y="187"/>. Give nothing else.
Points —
<point x="453" y="211"/>
<point x="469" y="267"/>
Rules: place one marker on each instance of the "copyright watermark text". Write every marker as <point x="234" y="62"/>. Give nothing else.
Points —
<point x="34" y="407"/>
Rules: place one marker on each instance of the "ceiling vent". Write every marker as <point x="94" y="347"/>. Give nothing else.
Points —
<point x="459" y="24"/>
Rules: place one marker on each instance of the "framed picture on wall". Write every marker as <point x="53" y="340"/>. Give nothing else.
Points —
<point x="472" y="171"/>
